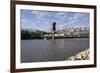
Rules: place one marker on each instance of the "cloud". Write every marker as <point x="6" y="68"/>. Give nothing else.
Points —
<point x="26" y="24"/>
<point x="61" y="14"/>
<point x="68" y="23"/>
<point x="42" y="20"/>
<point x="73" y="18"/>
<point x="50" y="15"/>
<point x="43" y="14"/>
<point x="76" y="16"/>
<point x="37" y="25"/>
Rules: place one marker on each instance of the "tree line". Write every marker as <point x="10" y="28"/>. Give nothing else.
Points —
<point x="26" y="34"/>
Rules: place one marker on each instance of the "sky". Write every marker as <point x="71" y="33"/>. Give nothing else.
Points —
<point x="42" y="20"/>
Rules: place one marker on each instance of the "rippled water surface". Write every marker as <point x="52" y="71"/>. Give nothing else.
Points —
<point x="51" y="50"/>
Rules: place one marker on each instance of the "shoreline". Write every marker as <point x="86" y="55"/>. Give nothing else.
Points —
<point x="56" y="38"/>
<point x="84" y="55"/>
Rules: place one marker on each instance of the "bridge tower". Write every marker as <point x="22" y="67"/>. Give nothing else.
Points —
<point x="53" y="29"/>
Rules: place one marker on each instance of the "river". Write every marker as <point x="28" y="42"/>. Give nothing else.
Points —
<point x="51" y="50"/>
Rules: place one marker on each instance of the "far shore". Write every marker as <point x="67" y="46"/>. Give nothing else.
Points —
<point x="56" y="38"/>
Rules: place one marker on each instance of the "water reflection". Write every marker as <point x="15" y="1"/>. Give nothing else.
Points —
<point x="51" y="50"/>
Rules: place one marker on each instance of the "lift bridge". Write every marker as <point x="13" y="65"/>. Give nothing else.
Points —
<point x="53" y="34"/>
<point x="67" y="34"/>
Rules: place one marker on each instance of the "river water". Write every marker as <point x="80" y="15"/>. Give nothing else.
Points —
<point x="51" y="50"/>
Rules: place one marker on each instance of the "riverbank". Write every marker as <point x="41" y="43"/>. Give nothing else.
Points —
<point x="65" y="37"/>
<point x="84" y="55"/>
<point x="55" y="38"/>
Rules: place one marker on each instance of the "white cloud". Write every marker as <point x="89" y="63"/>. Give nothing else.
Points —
<point x="76" y="16"/>
<point x="61" y="16"/>
<point x="72" y="19"/>
<point x="41" y="14"/>
<point x="43" y="19"/>
<point x="67" y="24"/>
